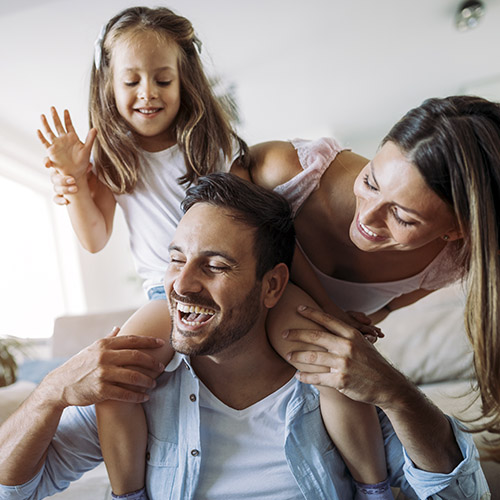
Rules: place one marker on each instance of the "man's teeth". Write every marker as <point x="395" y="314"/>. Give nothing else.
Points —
<point x="371" y="233"/>
<point x="194" y="315"/>
<point x="194" y="309"/>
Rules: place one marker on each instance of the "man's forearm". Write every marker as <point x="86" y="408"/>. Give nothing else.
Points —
<point x="424" y="430"/>
<point x="25" y="438"/>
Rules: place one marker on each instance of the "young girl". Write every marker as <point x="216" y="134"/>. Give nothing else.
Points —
<point x="155" y="127"/>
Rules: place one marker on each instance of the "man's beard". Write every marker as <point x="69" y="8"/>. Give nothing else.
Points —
<point x="235" y="324"/>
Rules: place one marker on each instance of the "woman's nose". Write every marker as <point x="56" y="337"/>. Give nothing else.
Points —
<point x="370" y="213"/>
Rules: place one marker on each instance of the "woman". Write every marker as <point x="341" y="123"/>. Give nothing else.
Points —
<point x="422" y="214"/>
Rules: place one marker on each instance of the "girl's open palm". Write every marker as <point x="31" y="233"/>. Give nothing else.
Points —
<point x="66" y="153"/>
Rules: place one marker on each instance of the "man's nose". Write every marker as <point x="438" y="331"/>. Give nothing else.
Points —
<point x="187" y="280"/>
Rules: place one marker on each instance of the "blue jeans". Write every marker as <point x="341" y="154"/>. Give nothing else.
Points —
<point x="157" y="293"/>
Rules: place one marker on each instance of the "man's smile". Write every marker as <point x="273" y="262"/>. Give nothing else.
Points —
<point x="194" y="315"/>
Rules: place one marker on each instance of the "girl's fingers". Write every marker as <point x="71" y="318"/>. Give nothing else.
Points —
<point x="44" y="141"/>
<point x="60" y="200"/>
<point x="57" y="121"/>
<point x="359" y="316"/>
<point x="67" y="121"/>
<point x="47" y="128"/>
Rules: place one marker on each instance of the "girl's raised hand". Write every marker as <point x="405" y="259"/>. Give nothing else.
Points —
<point x="66" y="153"/>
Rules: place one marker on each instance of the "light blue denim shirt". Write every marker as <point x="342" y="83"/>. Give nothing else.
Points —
<point x="174" y="451"/>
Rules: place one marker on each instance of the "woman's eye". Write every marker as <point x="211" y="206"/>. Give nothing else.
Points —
<point x="367" y="183"/>
<point x="130" y="84"/>
<point x="399" y="220"/>
<point x="164" y="84"/>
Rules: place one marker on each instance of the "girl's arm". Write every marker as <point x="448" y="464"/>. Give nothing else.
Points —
<point x="399" y="302"/>
<point x="91" y="205"/>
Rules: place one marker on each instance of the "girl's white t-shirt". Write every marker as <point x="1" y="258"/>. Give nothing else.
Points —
<point x="152" y="211"/>
<point x="243" y="451"/>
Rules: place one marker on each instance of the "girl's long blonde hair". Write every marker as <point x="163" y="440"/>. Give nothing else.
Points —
<point x="455" y="144"/>
<point x="202" y="126"/>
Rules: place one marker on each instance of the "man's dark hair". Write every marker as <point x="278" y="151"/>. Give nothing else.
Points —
<point x="256" y="207"/>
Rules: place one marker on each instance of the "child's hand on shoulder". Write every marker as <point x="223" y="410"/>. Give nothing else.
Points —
<point x="65" y="152"/>
<point x="365" y="325"/>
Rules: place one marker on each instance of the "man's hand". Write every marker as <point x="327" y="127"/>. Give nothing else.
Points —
<point x="353" y="366"/>
<point x="111" y="368"/>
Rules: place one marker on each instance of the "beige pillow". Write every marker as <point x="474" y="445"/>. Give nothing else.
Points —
<point x="12" y="396"/>
<point x="427" y="340"/>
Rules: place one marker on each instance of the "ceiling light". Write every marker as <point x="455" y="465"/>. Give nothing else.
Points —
<point x="468" y="14"/>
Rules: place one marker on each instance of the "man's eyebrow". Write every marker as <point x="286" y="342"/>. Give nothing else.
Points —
<point x="219" y="253"/>
<point x="402" y="207"/>
<point x="161" y="68"/>
<point x="207" y="253"/>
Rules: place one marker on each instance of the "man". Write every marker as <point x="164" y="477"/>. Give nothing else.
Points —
<point x="228" y="419"/>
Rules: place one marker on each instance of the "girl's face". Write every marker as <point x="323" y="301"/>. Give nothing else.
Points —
<point x="395" y="209"/>
<point x="146" y="87"/>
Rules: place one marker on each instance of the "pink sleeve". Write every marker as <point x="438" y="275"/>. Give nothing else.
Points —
<point x="315" y="157"/>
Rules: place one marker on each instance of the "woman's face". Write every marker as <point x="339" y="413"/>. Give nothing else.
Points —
<point x="395" y="209"/>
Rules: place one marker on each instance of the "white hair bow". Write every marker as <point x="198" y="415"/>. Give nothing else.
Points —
<point x="98" y="47"/>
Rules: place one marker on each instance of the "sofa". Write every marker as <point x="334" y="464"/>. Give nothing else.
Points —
<point x="426" y="341"/>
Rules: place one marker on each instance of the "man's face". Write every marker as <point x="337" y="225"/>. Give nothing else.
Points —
<point x="214" y="296"/>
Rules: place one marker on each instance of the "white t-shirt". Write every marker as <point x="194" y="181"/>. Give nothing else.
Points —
<point x="243" y="451"/>
<point x="152" y="211"/>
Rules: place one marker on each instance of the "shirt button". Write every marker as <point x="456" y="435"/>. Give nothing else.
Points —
<point x="195" y="453"/>
<point x="192" y="397"/>
<point x="148" y="455"/>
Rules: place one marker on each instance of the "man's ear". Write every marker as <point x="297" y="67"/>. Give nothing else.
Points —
<point x="273" y="284"/>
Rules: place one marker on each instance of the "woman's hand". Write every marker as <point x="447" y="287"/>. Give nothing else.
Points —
<point x="354" y="367"/>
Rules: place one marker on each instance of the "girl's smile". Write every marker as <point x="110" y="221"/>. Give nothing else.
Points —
<point x="146" y="86"/>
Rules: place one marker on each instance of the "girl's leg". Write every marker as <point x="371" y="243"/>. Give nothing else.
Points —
<point x="122" y="426"/>
<point x="353" y="427"/>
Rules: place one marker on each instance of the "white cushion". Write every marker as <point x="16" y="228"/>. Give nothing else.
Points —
<point x="427" y="340"/>
<point x="12" y="396"/>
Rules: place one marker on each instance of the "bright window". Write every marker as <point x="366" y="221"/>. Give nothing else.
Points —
<point x="31" y="290"/>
